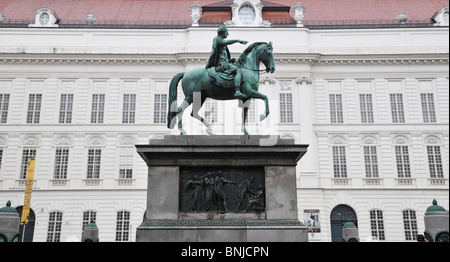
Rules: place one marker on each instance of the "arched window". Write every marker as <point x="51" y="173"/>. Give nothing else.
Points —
<point x="377" y="224"/>
<point x="338" y="217"/>
<point x="123" y="226"/>
<point x="410" y="224"/>
<point x="247" y="14"/>
<point x="54" y="227"/>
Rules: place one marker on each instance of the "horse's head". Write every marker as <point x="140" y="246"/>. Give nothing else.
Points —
<point x="266" y="56"/>
<point x="255" y="53"/>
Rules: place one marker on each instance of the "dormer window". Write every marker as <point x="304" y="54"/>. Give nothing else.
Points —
<point x="247" y="14"/>
<point x="45" y="18"/>
<point x="441" y="17"/>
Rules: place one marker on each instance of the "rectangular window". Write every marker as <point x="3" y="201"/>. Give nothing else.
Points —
<point x="61" y="163"/>
<point x="377" y="224"/>
<point x="160" y="109"/>
<point x="129" y="108"/>
<point x="370" y="161"/>
<point x="339" y="162"/>
<point x="365" y="103"/>
<point x="286" y="112"/>
<point x="26" y="154"/>
<point x="398" y="115"/>
<point x="4" y="104"/>
<point x="34" y="108"/>
<point x="336" y="112"/>
<point x="126" y="162"/>
<point x="98" y="108"/>
<point x="402" y="160"/>
<point x="123" y="226"/>
<point x="54" y="227"/>
<point x="94" y="161"/>
<point x="210" y="110"/>
<point x="435" y="161"/>
<point x="65" y="109"/>
<point x="410" y="224"/>
<point x="429" y="115"/>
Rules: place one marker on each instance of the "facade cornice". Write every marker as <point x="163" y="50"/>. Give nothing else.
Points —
<point x="188" y="58"/>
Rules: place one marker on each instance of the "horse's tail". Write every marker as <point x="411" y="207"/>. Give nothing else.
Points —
<point x="173" y="107"/>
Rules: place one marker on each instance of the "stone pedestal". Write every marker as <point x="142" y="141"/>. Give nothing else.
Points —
<point x="176" y="161"/>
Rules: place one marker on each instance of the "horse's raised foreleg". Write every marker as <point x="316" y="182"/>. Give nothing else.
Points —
<point x="186" y="102"/>
<point x="258" y="95"/>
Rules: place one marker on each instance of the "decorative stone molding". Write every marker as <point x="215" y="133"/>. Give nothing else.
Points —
<point x="299" y="9"/>
<point x="2" y="141"/>
<point x="400" y="140"/>
<point x="431" y="139"/>
<point x="95" y="141"/>
<point x="304" y="79"/>
<point x="45" y="18"/>
<point x="90" y="18"/>
<point x="402" y="17"/>
<point x="269" y="79"/>
<point x="127" y="140"/>
<point x="2" y="17"/>
<point x="199" y="58"/>
<point x="338" y="140"/>
<point x="285" y="85"/>
<point x="196" y="10"/>
<point x="30" y="141"/>
<point x="62" y="140"/>
<point x="369" y="140"/>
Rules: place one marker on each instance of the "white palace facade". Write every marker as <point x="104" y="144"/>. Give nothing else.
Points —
<point x="370" y="99"/>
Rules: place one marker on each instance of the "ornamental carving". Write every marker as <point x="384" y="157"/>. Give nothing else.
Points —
<point x="30" y="140"/>
<point x="63" y="140"/>
<point x="127" y="140"/>
<point x="95" y="141"/>
<point x="432" y="140"/>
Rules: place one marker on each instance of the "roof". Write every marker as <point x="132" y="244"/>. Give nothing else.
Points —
<point x="435" y="207"/>
<point x="176" y="12"/>
<point x="8" y="208"/>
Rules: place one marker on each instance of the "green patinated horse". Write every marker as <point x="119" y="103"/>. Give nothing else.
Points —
<point x="197" y="82"/>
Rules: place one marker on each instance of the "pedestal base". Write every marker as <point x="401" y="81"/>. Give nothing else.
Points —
<point x="222" y="231"/>
<point x="225" y="164"/>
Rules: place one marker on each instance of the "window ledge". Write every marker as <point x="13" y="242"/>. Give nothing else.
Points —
<point x="341" y="181"/>
<point x="125" y="182"/>
<point x="405" y="181"/>
<point x="437" y="181"/>
<point x="92" y="182"/>
<point x="373" y="181"/>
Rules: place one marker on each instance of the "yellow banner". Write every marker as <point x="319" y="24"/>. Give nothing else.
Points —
<point x="28" y="190"/>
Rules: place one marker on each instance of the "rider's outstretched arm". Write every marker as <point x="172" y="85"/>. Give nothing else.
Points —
<point x="230" y="42"/>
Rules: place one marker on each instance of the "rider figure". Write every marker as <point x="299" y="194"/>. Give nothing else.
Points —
<point x="221" y="59"/>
